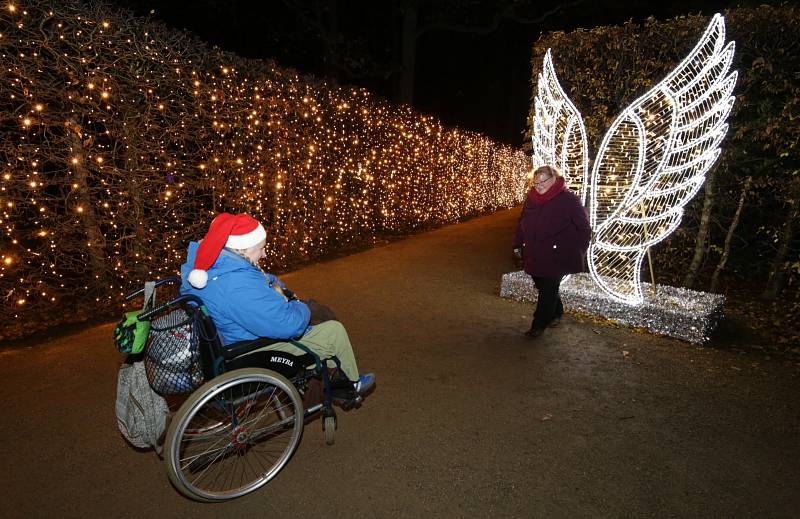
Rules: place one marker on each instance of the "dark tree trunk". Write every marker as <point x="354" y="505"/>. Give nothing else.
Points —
<point x="408" y="51"/>
<point x="329" y="28"/>
<point x="729" y="237"/>
<point x="95" y="240"/>
<point x="411" y="30"/>
<point x="777" y="275"/>
<point x="701" y="243"/>
<point x="323" y="17"/>
<point x="136" y="212"/>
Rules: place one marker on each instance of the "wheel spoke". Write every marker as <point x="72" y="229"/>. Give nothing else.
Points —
<point x="234" y="434"/>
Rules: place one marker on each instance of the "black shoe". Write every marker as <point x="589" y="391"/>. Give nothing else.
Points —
<point x="343" y="393"/>
<point x="533" y="333"/>
<point x="346" y="400"/>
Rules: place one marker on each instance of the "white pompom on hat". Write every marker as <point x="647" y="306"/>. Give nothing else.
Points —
<point x="237" y="231"/>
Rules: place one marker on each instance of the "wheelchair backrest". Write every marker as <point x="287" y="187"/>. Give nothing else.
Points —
<point x="210" y="345"/>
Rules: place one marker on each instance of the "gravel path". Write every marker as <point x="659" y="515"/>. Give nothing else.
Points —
<point x="468" y="419"/>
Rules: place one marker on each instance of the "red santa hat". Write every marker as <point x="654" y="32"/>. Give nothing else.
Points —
<point x="236" y="231"/>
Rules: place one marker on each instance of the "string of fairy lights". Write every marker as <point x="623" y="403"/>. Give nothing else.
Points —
<point x="559" y="135"/>
<point x="122" y="140"/>
<point x="651" y="161"/>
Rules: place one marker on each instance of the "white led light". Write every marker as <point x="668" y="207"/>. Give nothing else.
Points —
<point x="651" y="162"/>
<point x="559" y="136"/>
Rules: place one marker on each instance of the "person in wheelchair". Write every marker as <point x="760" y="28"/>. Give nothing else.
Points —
<point x="246" y="303"/>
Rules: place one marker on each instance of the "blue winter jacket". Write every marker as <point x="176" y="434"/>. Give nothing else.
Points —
<point x="241" y="301"/>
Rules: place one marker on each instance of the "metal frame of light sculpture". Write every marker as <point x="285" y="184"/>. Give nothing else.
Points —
<point x="651" y="162"/>
<point x="559" y="135"/>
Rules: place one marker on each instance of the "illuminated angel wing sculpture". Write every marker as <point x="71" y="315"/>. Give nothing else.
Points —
<point x="559" y="136"/>
<point x="651" y="162"/>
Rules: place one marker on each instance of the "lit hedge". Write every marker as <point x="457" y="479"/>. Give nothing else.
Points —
<point x="121" y="139"/>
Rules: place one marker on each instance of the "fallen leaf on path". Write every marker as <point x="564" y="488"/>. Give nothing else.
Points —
<point x="596" y="331"/>
<point x="737" y="369"/>
<point x="546" y="417"/>
<point x="625" y="353"/>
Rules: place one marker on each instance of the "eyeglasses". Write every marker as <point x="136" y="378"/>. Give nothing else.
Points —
<point x="542" y="182"/>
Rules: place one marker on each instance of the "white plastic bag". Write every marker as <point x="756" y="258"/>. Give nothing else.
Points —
<point x="141" y="412"/>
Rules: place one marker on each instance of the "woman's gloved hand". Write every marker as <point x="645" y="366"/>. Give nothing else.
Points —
<point x="517" y="257"/>
<point x="285" y="292"/>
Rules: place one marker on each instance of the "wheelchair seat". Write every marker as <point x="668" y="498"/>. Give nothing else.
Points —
<point x="238" y="355"/>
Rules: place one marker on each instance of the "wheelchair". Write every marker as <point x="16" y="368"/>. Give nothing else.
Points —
<point x="244" y="410"/>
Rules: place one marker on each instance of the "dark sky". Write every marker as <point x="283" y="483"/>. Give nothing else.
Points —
<point x="479" y="82"/>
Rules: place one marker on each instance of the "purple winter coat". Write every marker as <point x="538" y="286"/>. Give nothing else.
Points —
<point x="554" y="236"/>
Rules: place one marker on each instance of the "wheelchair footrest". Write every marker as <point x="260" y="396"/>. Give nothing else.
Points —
<point x="346" y="399"/>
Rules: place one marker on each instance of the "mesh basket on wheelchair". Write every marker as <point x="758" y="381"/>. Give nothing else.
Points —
<point x="172" y="356"/>
<point x="244" y="413"/>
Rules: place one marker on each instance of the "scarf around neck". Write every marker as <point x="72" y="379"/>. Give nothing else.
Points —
<point x="536" y="198"/>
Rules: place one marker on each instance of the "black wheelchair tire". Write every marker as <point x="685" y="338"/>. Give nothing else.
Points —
<point x="231" y="439"/>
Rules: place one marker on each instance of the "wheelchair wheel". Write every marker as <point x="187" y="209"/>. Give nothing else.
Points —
<point x="329" y="428"/>
<point x="233" y="435"/>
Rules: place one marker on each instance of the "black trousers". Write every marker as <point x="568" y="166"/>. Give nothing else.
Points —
<point x="548" y="304"/>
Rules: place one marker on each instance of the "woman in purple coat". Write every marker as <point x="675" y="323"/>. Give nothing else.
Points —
<point x="552" y="238"/>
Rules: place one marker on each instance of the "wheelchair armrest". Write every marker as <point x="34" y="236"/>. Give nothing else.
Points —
<point x="240" y="348"/>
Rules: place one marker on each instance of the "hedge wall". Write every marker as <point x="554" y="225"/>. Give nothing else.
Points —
<point x="121" y="139"/>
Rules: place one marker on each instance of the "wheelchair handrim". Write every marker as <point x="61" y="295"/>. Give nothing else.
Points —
<point x="202" y="398"/>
